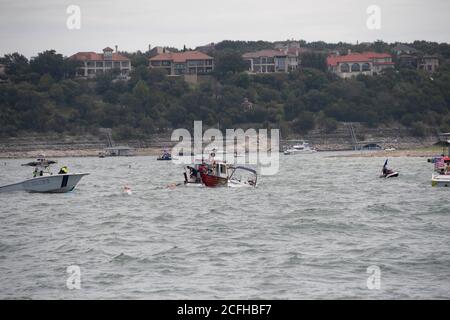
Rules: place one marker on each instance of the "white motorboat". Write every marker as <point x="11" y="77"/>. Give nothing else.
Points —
<point x="440" y="180"/>
<point x="302" y="148"/>
<point x="441" y="174"/>
<point x="58" y="183"/>
<point x="45" y="181"/>
<point x="242" y="177"/>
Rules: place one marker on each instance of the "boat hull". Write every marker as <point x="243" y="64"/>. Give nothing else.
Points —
<point x="213" y="181"/>
<point x="390" y="175"/>
<point x="440" y="180"/>
<point x="58" y="183"/>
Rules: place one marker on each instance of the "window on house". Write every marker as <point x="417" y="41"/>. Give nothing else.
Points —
<point x="356" y="67"/>
<point x="366" y="67"/>
<point x="345" y="67"/>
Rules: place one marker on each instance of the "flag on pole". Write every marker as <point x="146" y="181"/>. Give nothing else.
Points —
<point x="439" y="163"/>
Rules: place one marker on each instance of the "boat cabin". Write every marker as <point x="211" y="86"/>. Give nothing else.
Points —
<point x="219" y="169"/>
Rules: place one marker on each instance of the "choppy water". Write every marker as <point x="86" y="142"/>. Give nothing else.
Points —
<point x="309" y="232"/>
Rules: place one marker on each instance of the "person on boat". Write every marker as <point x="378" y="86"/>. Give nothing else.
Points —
<point x="386" y="171"/>
<point x="63" y="170"/>
<point x="37" y="173"/>
<point x="193" y="172"/>
<point x="203" y="168"/>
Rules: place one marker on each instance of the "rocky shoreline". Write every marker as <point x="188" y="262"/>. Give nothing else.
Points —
<point x="419" y="151"/>
<point x="88" y="145"/>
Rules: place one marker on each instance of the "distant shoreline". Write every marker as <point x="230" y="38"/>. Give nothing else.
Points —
<point x="79" y="153"/>
<point x="412" y="152"/>
<point x="74" y="153"/>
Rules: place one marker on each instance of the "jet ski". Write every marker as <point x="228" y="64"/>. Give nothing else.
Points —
<point x="388" y="173"/>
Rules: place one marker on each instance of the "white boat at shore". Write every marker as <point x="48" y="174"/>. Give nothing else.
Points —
<point x="302" y="148"/>
<point x="44" y="181"/>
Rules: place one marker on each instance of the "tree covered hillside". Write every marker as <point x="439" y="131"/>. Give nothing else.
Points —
<point x="43" y="96"/>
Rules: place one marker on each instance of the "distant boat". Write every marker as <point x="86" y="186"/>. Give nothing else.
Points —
<point x="119" y="151"/>
<point x="166" y="156"/>
<point x="302" y="148"/>
<point x="44" y="181"/>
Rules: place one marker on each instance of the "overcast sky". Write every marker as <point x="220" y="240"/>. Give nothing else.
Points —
<point x="31" y="26"/>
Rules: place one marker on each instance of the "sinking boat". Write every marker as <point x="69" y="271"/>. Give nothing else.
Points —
<point x="242" y="177"/>
<point x="44" y="181"/>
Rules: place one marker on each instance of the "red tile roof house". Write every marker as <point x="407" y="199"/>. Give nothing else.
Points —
<point x="353" y="64"/>
<point x="183" y="63"/>
<point x="269" y="61"/>
<point x="93" y="64"/>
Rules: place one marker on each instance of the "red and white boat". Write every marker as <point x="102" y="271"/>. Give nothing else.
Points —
<point x="220" y="174"/>
<point x="213" y="173"/>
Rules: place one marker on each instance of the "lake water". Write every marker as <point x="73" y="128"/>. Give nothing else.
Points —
<point x="311" y="231"/>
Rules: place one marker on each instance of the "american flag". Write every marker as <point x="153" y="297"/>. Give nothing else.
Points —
<point x="439" y="163"/>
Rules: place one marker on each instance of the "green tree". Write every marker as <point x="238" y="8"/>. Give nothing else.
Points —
<point x="50" y="62"/>
<point x="304" y="122"/>
<point x="229" y="62"/>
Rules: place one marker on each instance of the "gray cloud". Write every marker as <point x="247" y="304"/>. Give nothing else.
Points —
<point x="30" y="26"/>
